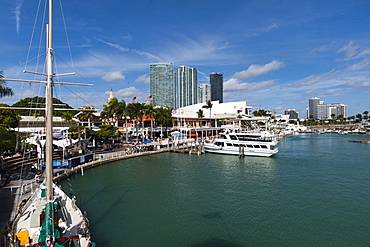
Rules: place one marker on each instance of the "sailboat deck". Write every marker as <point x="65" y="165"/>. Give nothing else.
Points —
<point x="70" y="221"/>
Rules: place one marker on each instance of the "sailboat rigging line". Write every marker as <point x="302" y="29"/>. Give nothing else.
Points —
<point x="78" y="96"/>
<point x="65" y="29"/>
<point x="32" y="35"/>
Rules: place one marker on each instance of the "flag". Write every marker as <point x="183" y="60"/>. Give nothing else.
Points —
<point x="149" y="98"/>
<point x="134" y="100"/>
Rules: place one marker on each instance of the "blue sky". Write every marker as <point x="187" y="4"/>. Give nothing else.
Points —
<point x="274" y="55"/>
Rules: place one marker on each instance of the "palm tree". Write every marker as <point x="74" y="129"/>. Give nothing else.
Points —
<point x="332" y="116"/>
<point x="341" y="118"/>
<point x="366" y="116"/>
<point x="135" y="111"/>
<point x="200" y="114"/>
<point x="164" y="115"/>
<point x="149" y="111"/>
<point x="209" y="105"/>
<point x="68" y="117"/>
<point x="87" y="114"/>
<point x="359" y="118"/>
<point x="4" y="91"/>
<point x="110" y="110"/>
<point x="121" y="112"/>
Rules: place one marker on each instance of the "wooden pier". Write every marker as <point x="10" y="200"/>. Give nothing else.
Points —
<point x="361" y="141"/>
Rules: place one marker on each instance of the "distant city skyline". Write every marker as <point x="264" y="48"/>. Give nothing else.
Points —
<point x="321" y="111"/>
<point x="273" y="55"/>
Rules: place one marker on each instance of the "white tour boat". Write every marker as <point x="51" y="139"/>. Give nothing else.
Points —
<point x="261" y="143"/>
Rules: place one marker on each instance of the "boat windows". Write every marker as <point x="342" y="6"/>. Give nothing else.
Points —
<point x="229" y="144"/>
<point x="249" y="146"/>
<point x="256" y="146"/>
<point x="264" y="146"/>
<point x="233" y="137"/>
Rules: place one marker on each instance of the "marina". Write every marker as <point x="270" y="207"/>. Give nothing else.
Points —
<point x="312" y="193"/>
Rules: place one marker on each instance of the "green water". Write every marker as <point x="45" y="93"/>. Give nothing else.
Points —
<point x="314" y="192"/>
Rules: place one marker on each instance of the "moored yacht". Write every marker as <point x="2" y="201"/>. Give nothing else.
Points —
<point x="261" y="143"/>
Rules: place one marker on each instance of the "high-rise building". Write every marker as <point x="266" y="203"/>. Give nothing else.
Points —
<point x="321" y="111"/>
<point x="217" y="87"/>
<point x="293" y="114"/>
<point x="162" y="84"/>
<point x="312" y="107"/>
<point x="204" y="92"/>
<point x="186" y="86"/>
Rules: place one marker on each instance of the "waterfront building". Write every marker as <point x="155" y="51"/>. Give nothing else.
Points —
<point x="204" y="92"/>
<point x="217" y="87"/>
<point x="293" y="114"/>
<point x="321" y="111"/>
<point x="162" y="84"/>
<point x="188" y="116"/>
<point x="312" y="107"/>
<point x="186" y="86"/>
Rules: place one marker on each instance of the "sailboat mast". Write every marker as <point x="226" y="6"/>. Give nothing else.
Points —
<point x="49" y="105"/>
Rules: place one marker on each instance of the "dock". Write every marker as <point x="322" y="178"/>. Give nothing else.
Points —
<point x="361" y="141"/>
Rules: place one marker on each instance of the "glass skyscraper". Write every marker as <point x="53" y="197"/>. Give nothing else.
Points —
<point x="217" y="87"/>
<point x="162" y="84"/>
<point x="312" y="107"/>
<point x="204" y="92"/>
<point x="186" y="86"/>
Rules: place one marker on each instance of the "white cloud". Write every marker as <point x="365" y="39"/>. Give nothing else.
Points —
<point x="204" y="50"/>
<point x="257" y="70"/>
<point x="17" y="12"/>
<point x="124" y="49"/>
<point x="113" y="76"/>
<point x="353" y="83"/>
<point x="358" y="66"/>
<point x="350" y="51"/>
<point x="234" y="85"/>
<point x="314" y="79"/>
<point x="143" y="79"/>
<point x="259" y="31"/>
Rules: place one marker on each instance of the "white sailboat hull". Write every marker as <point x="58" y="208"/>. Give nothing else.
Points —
<point x="70" y="222"/>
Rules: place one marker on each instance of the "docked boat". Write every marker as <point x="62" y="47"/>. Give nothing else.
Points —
<point x="261" y="143"/>
<point x="49" y="217"/>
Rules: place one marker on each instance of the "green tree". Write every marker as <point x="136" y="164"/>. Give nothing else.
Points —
<point x="340" y="118"/>
<point x="110" y="110"/>
<point x="332" y="117"/>
<point x="106" y="132"/>
<point x="121" y="112"/>
<point x="365" y="115"/>
<point x="209" y="106"/>
<point x="88" y="115"/>
<point x="136" y="111"/>
<point x="39" y="102"/>
<point x="68" y="117"/>
<point x="200" y="114"/>
<point x="4" y="91"/>
<point x="164" y="117"/>
<point x="358" y="117"/>
<point x="261" y="113"/>
<point x="9" y="120"/>
<point x="149" y="111"/>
